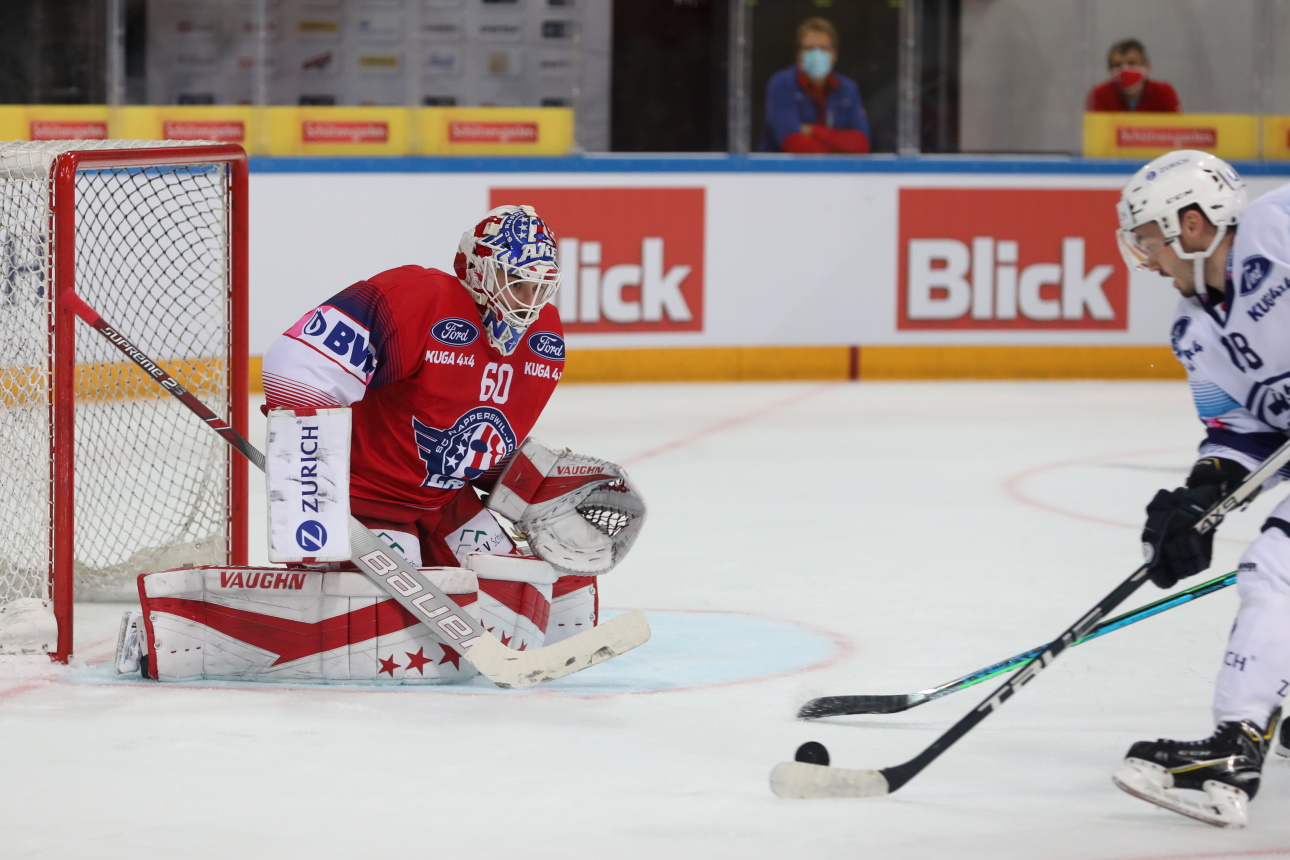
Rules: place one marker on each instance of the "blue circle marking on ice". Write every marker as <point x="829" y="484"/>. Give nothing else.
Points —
<point x="690" y="650"/>
<point x="687" y="650"/>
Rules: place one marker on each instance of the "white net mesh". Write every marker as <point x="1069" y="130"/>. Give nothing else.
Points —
<point x="151" y="481"/>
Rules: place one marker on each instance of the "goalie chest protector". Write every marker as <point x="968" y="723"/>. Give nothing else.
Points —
<point x="442" y="405"/>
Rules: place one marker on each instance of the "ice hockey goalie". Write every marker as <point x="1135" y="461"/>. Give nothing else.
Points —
<point x="406" y="401"/>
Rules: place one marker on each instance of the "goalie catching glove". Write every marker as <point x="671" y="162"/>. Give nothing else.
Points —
<point x="579" y="514"/>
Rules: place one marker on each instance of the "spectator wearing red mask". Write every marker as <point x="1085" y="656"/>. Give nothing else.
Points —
<point x="810" y="107"/>
<point x="1130" y="87"/>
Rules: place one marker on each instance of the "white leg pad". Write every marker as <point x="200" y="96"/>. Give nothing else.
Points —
<point x="575" y="607"/>
<point x="270" y="624"/>
<point x="514" y="597"/>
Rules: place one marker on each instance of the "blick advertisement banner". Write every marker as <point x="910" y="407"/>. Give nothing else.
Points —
<point x="654" y="259"/>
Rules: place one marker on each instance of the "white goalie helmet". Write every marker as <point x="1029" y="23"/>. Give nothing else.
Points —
<point x="508" y="264"/>
<point x="1171" y="183"/>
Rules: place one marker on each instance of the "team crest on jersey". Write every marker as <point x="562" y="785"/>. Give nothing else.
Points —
<point x="454" y="331"/>
<point x="1253" y="272"/>
<point x="476" y="442"/>
<point x="548" y="345"/>
<point x="1179" y="330"/>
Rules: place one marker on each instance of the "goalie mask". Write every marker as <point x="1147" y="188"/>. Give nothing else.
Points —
<point x="1165" y="186"/>
<point x="508" y="264"/>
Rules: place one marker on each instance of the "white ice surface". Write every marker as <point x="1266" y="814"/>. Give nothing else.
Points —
<point x="804" y="540"/>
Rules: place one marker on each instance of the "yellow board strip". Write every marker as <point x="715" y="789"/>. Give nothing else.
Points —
<point x="112" y="380"/>
<point x="1019" y="362"/>
<point x="1145" y="135"/>
<point x="714" y="364"/>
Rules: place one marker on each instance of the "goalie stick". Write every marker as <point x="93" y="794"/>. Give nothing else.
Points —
<point x="837" y="706"/>
<point x="447" y="621"/>
<point x="800" y="779"/>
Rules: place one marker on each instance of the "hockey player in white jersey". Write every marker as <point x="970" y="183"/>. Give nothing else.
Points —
<point x="1185" y="215"/>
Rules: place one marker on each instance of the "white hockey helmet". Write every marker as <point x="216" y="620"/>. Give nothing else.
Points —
<point x="511" y="246"/>
<point x="1171" y="183"/>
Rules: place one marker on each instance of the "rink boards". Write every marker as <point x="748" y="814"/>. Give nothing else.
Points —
<point x="723" y="268"/>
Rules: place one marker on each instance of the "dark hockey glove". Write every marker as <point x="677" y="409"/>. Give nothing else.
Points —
<point x="1173" y="548"/>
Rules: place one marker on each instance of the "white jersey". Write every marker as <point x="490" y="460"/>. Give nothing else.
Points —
<point x="1237" y="353"/>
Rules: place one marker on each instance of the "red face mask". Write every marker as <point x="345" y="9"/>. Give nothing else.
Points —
<point x="1127" y="79"/>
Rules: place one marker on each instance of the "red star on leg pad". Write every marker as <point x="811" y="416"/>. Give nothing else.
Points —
<point x="417" y="660"/>
<point x="389" y="666"/>
<point x="450" y="656"/>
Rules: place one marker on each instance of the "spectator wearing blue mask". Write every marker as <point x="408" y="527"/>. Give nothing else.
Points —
<point x="811" y="108"/>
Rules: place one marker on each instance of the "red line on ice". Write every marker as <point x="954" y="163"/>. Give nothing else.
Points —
<point x="728" y="423"/>
<point x="1012" y="485"/>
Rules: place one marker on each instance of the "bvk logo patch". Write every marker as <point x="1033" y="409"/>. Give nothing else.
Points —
<point x="476" y="442"/>
<point x="1178" y="331"/>
<point x="338" y="336"/>
<point x="1253" y="273"/>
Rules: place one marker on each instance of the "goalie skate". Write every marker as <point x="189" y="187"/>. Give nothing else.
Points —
<point x="1210" y="780"/>
<point x="131" y="644"/>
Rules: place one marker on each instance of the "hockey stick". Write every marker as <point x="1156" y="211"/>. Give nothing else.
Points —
<point x="447" y="621"/>
<point x="803" y="779"/>
<point x="836" y="706"/>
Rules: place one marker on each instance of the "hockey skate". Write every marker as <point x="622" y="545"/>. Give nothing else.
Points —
<point x="1282" y="745"/>
<point x="131" y="644"/>
<point x="1224" y="767"/>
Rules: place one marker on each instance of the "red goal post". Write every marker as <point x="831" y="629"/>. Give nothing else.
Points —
<point x="102" y="475"/>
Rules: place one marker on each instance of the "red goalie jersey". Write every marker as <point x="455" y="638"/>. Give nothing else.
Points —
<point x="435" y="405"/>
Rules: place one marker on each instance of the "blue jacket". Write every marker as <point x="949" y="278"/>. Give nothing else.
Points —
<point x="788" y="105"/>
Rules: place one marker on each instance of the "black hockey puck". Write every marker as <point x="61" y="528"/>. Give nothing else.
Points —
<point x="812" y="752"/>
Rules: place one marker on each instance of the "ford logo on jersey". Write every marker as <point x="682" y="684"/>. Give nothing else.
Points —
<point x="1253" y="272"/>
<point x="1179" y="329"/>
<point x="454" y="331"/>
<point x="548" y="345"/>
<point x="475" y="442"/>
<point x="311" y="536"/>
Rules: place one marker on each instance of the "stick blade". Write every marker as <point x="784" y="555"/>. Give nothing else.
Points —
<point x="836" y="706"/>
<point x="799" y="780"/>
<point x="510" y="669"/>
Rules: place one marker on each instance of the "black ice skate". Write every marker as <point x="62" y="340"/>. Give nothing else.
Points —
<point x="132" y="645"/>
<point x="1224" y="766"/>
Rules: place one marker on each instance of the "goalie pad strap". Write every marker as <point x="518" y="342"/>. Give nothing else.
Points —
<point x="513" y="568"/>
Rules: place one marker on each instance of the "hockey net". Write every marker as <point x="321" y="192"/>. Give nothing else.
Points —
<point x="102" y="475"/>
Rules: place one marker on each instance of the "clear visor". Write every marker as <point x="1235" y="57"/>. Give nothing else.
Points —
<point x="518" y="295"/>
<point x="1138" y="251"/>
<point x="1132" y="249"/>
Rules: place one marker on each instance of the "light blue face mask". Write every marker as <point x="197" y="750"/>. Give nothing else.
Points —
<point x="817" y="62"/>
